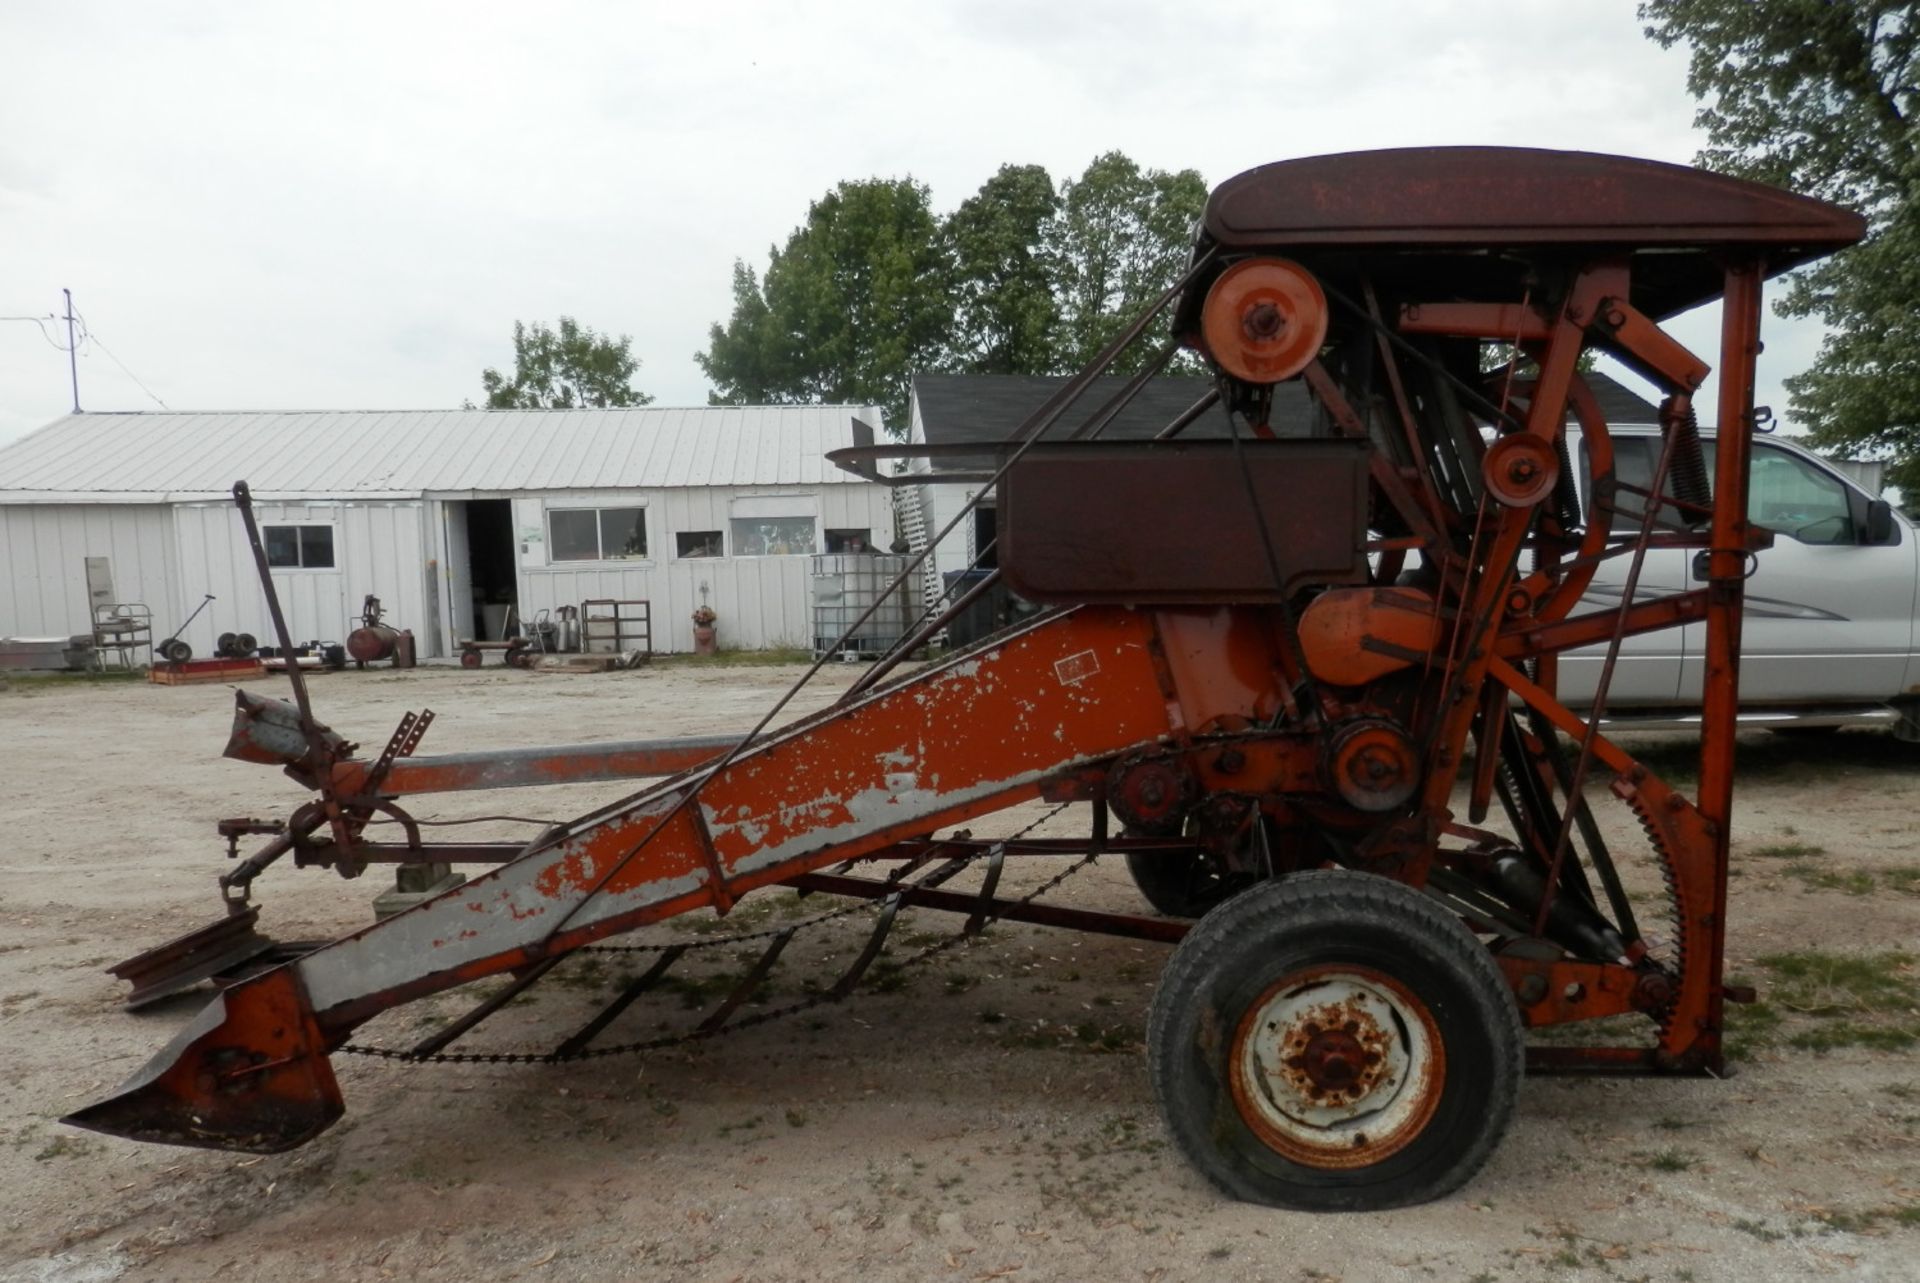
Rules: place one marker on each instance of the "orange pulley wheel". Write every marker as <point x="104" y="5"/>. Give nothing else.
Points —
<point x="1520" y="470"/>
<point x="1264" y="319"/>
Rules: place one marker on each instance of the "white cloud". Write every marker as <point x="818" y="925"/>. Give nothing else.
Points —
<point x="349" y="205"/>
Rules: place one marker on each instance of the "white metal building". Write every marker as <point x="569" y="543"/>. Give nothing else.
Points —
<point x="448" y="517"/>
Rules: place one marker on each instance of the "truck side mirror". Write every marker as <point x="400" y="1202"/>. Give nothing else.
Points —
<point x="1879" y="522"/>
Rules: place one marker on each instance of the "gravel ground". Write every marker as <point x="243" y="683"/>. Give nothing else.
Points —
<point x="985" y="1115"/>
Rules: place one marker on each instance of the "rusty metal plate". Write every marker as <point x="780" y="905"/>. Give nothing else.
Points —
<point x="185" y="961"/>
<point x="1171" y="523"/>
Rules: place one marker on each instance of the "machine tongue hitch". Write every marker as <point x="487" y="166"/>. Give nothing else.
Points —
<point x="250" y="1074"/>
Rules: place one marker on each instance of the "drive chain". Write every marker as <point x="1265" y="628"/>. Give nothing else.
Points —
<point x="825" y="997"/>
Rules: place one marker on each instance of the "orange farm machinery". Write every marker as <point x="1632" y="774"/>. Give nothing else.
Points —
<point x="1289" y="678"/>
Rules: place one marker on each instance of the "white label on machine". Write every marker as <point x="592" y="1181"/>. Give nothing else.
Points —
<point x="1076" y="668"/>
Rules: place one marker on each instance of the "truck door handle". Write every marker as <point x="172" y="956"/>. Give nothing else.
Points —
<point x="1703" y="559"/>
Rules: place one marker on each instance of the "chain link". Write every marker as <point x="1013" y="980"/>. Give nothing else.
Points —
<point x="825" y="997"/>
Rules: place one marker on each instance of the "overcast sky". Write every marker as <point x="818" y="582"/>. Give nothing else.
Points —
<point x="347" y="206"/>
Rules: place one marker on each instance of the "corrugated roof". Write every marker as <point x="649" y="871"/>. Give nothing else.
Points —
<point x="403" y="453"/>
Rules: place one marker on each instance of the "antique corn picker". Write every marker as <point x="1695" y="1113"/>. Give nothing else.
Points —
<point x="1298" y="673"/>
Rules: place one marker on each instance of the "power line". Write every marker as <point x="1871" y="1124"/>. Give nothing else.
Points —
<point x="40" y="323"/>
<point x="76" y="341"/>
<point x="95" y="339"/>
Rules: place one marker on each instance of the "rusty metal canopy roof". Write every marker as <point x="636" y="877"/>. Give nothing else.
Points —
<point x="1673" y="219"/>
<point x="174" y="457"/>
<point x="987" y="409"/>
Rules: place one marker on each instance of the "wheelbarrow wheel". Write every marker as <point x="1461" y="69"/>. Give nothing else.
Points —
<point x="1334" y="1041"/>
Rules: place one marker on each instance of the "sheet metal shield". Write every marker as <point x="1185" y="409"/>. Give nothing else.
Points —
<point x="1170" y="523"/>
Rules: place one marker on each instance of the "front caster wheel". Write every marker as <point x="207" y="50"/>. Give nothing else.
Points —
<point x="1334" y="1041"/>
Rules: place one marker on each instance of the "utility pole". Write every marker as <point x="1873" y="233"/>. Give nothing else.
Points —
<point x="73" y="363"/>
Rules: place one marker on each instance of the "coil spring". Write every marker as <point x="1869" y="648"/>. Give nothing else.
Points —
<point x="1566" y="491"/>
<point x="1687" y="473"/>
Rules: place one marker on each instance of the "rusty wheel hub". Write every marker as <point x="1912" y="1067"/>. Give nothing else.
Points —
<point x="1337" y="1067"/>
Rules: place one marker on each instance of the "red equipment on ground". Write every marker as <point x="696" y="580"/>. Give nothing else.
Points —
<point x="1301" y="673"/>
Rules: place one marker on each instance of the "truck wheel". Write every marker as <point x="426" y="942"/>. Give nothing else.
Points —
<point x="1334" y="1041"/>
<point x="1180" y="886"/>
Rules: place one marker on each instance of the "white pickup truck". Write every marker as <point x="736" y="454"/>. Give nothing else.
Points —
<point x="1828" y="636"/>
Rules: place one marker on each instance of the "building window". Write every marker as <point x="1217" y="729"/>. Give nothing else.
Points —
<point x="699" y="543"/>
<point x="305" y="547"/>
<point x="772" y="536"/>
<point x="597" y="534"/>
<point x="850" y="541"/>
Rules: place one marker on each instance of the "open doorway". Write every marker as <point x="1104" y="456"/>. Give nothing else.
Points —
<point x="492" y="567"/>
<point x="986" y="536"/>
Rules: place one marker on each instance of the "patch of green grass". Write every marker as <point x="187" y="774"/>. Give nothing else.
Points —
<point x="697" y="991"/>
<point x="737" y="658"/>
<point x="1823" y="982"/>
<point x="48" y="683"/>
<point x="888" y="976"/>
<point x="1905" y="880"/>
<point x="1867" y="1220"/>
<point x="1851" y="999"/>
<point x="1750" y="1027"/>
<point x="1787" y="851"/>
<point x="1848" y="1033"/>
<point x="1850" y="881"/>
<point x="62" y="1146"/>
<point x="1666" y="1160"/>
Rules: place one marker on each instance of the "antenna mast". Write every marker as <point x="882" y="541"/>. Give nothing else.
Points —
<point x="73" y="364"/>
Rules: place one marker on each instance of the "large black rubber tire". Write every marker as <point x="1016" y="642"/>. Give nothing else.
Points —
<point x="1244" y="950"/>
<point x="1180" y="886"/>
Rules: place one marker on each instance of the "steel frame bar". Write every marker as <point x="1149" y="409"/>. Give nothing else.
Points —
<point x="1129" y="926"/>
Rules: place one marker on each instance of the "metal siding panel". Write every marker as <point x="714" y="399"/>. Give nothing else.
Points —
<point x="10" y="518"/>
<point x="25" y="572"/>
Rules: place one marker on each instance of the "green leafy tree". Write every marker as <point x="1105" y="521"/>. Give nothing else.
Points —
<point x="1124" y="234"/>
<point x="1021" y="278"/>
<point x="1006" y="316"/>
<point x="1819" y="96"/>
<point x="563" y="369"/>
<point x="859" y="298"/>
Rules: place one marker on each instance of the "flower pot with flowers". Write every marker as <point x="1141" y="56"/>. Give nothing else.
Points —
<point x="703" y="630"/>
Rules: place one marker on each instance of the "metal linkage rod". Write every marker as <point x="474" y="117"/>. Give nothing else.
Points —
<point x="648" y="979"/>
<point x="444" y="1038"/>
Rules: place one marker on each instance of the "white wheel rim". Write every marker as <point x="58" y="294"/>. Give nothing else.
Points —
<point x="1337" y="1067"/>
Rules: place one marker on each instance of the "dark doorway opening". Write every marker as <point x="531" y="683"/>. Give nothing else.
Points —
<point x="490" y="549"/>
<point x="986" y="530"/>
